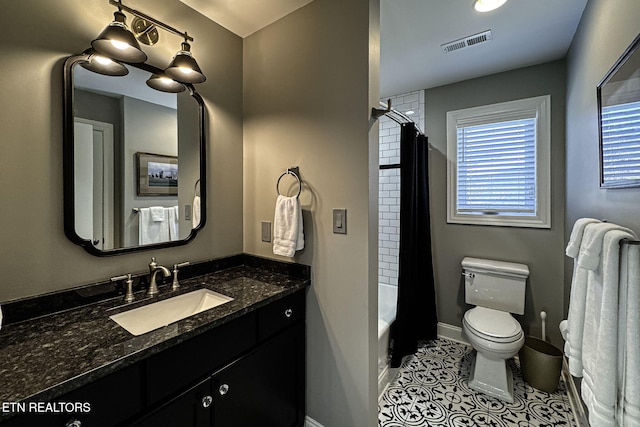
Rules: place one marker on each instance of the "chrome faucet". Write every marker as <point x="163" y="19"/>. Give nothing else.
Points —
<point x="154" y="268"/>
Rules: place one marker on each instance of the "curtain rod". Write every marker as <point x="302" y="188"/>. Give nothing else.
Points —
<point x="376" y="113"/>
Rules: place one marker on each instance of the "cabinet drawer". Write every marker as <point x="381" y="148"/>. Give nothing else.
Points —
<point x="281" y="314"/>
<point x="180" y="366"/>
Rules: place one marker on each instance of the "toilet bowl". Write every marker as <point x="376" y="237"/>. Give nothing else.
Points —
<point x="494" y="342"/>
<point x="496" y="288"/>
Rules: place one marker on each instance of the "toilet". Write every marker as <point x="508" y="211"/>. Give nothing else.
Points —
<point x="496" y="289"/>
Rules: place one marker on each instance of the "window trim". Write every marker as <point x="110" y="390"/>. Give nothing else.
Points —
<point x="539" y="107"/>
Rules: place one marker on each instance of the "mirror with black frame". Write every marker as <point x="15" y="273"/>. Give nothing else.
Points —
<point x="134" y="160"/>
<point x="619" y="121"/>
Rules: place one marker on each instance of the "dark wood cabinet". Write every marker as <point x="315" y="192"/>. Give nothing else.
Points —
<point x="110" y="401"/>
<point x="265" y="387"/>
<point x="190" y="408"/>
<point x="247" y="372"/>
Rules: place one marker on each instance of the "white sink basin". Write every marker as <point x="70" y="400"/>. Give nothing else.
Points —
<point x="153" y="316"/>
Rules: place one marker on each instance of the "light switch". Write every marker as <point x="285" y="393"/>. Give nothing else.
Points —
<point x="266" y="231"/>
<point x="340" y="221"/>
<point x="187" y="212"/>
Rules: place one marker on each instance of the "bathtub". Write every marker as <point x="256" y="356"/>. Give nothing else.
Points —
<point x="387" y="298"/>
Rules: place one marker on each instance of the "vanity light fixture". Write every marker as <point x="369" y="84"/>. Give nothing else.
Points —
<point x="119" y="43"/>
<point x="165" y="84"/>
<point x="102" y="65"/>
<point x="184" y="68"/>
<point x="488" y="5"/>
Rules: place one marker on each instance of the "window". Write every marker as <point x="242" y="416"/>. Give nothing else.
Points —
<point x="620" y="127"/>
<point x="499" y="164"/>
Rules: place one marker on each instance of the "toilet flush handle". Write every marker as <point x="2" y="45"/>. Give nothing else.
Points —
<point x="468" y="275"/>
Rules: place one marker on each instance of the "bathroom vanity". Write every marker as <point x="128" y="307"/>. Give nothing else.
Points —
<point x="238" y="364"/>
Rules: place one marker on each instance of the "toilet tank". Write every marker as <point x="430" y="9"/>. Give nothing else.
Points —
<point x="494" y="284"/>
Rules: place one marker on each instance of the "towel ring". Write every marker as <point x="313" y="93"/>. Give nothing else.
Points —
<point x="289" y="172"/>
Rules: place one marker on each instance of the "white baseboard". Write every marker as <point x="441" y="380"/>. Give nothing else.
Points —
<point x="450" y="332"/>
<point x="310" y="422"/>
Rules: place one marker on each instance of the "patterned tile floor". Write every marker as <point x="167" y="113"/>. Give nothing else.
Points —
<point x="431" y="389"/>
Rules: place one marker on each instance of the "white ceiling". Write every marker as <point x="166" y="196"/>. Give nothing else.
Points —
<point x="245" y="17"/>
<point x="411" y="31"/>
<point x="524" y="33"/>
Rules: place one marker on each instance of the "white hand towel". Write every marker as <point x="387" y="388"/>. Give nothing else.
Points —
<point x="196" y="212"/>
<point x="573" y="247"/>
<point x="288" y="235"/>
<point x="157" y="213"/>
<point x="150" y="231"/>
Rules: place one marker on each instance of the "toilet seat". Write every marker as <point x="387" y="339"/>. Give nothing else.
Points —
<point x="493" y="325"/>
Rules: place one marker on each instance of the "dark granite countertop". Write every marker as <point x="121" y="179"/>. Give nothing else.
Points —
<point x="46" y="357"/>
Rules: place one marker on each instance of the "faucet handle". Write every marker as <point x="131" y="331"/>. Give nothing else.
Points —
<point x="175" y="285"/>
<point x="129" y="282"/>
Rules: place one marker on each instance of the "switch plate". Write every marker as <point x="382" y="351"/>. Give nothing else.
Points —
<point x="266" y="231"/>
<point x="340" y="221"/>
<point x="187" y="212"/>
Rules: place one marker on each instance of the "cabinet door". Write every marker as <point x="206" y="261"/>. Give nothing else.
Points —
<point x="191" y="408"/>
<point x="107" y="402"/>
<point x="264" y="388"/>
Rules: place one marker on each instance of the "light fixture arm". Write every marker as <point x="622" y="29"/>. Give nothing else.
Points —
<point x="121" y="6"/>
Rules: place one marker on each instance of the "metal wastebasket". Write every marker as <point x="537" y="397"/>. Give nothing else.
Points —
<point x="541" y="364"/>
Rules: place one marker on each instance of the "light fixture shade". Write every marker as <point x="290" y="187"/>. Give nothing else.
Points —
<point x="103" y="65"/>
<point x="165" y="84"/>
<point x="184" y="68"/>
<point x="488" y="5"/>
<point x="117" y="42"/>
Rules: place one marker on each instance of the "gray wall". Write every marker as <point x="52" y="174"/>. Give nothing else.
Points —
<point x="541" y="249"/>
<point x="606" y="29"/>
<point x="148" y="128"/>
<point x="307" y="102"/>
<point x="35" y="255"/>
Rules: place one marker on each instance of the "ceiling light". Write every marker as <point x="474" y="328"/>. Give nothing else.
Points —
<point x="184" y="67"/>
<point x="117" y="42"/>
<point x="488" y="5"/>
<point x="165" y="84"/>
<point x="103" y="65"/>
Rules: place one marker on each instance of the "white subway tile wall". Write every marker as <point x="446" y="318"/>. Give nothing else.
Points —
<point x="389" y="195"/>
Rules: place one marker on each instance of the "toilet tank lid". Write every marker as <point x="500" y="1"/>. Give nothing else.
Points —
<point x="494" y="266"/>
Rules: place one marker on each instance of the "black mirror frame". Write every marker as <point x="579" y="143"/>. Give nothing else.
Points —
<point x="634" y="47"/>
<point x="68" y="165"/>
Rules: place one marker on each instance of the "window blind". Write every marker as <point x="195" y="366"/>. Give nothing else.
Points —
<point x="621" y="142"/>
<point x="497" y="168"/>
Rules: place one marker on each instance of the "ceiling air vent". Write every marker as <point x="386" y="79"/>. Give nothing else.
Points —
<point x="469" y="41"/>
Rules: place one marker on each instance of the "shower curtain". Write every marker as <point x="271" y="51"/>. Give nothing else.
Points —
<point x="416" y="315"/>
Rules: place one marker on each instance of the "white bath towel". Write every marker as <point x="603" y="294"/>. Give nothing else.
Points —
<point x="288" y="235"/>
<point x="591" y="246"/>
<point x="600" y="350"/>
<point x="173" y="223"/>
<point x="195" y="217"/>
<point x="629" y="404"/>
<point x="573" y="247"/>
<point x="158" y="213"/>
<point x="577" y="301"/>
<point x="150" y="231"/>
